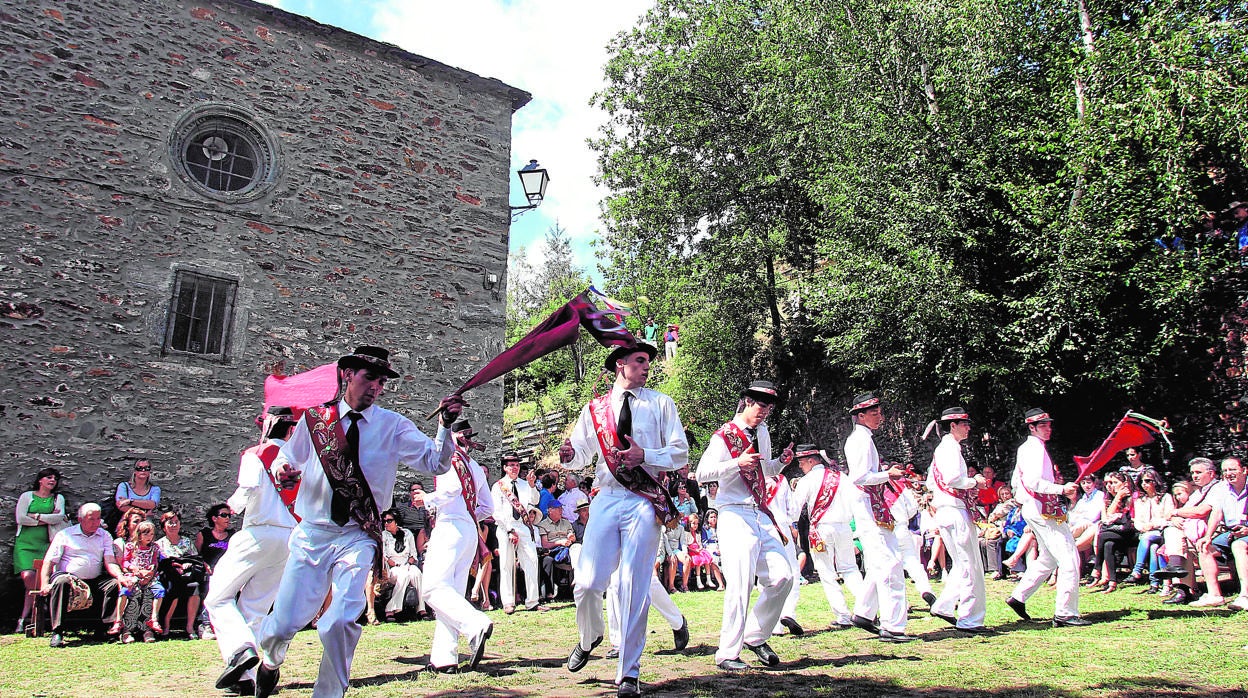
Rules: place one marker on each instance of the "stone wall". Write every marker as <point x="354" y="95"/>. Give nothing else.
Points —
<point x="389" y="206"/>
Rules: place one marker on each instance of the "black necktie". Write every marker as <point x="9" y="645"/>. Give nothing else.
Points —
<point x="624" y="426"/>
<point x="515" y="504"/>
<point x="753" y="432"/>
<point x="340" y="506"/>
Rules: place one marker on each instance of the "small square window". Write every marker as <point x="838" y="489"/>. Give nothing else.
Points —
<point x="201" y="312"/>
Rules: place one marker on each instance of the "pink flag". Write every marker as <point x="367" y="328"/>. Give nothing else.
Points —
<point x="308" y="389"/>
<point x="1133" y="430"/>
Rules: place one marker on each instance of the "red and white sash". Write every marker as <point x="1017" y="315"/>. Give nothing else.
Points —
<point x="738" y="443"/>
<point x="967" y="497"/>
<point x="468" y="489"/>
<point x="636" y="480"/>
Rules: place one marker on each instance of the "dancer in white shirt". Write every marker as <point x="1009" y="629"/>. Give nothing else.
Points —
<point x="512" y="499"/>
<point x="828" y="497"/>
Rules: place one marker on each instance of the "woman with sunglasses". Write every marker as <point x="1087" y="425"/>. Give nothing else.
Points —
<point x="212" y="541"/>
<point x="139" y="491"/>
<point x="1152" y="510"/>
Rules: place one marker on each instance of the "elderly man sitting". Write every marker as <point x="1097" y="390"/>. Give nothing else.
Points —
<point x="1188" y="526"/>
<point x="73" y="574"/>
<point x="1229" y="502"/>
<point x="557" y="538"/>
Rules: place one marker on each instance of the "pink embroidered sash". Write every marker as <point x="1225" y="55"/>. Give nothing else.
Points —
<point x="468" y="489"/>
<point x="967" y="497"/>
<point x="827" y="493"/>
<point x="1052" y="506"/>
<point x="738" y="443"/>
<point x="636" y="480"/>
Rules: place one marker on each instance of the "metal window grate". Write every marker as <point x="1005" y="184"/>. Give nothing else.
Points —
<point x="221" y="161"/>
<point x="201" y="312"/>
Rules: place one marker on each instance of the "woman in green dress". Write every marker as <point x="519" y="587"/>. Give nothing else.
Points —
<point x="40" y="513"/>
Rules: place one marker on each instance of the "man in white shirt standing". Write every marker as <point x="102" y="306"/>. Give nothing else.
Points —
<point x="245" y="580"/>
<point x="963" y="603"/>
<point x="738" y="457"/>
<point x="460" y="499"/>
<point x="512" y="499"/>
<point x="346" y="455"/>
<point x="826" y="494"/>
<point x="884" y="589"/>
<point x="635" y="432"/>
<point x="1041" y="499"/>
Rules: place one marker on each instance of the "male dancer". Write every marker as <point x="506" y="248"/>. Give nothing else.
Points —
<point x="660" y="601"/>
<point x="884" y="588"/>
<point x="752" y="543"/>
<point x="787" y="510"/>
<point x="251" y="569"/>
<point x="963" y="602"/>
<point x="634" y="431"/>
<point x="347" y="453"/>
<point x="1041" y="500"/>
<point x="460" y="499"/>
<point x="828" y="496"/>
<point x="512" y="498"/>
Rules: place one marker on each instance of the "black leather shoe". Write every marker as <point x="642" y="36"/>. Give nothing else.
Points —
<point x="56" y="640"/>
<point x="681" y="635"/>
<point x="613" y="653"/>
<point x="1135" y="578"/>
<point x="866" y="624"/>
<point x="1069" y="622"/>
<point x="733" y="665"/>
<point x="1171" y="572"/>
<point x="888" y="636"/>
<point x="448" y="669"/>
<point x="948" y="619"/>
<point x="929" y="597"/>
<point x="244" y="659"/>
<point x="765" y="654"/>
<point x="246" y="687"/>
<point x="266" y="680"/>
<point x="1019" y="607"/>
<point x="794" y="627"/>
<point x="1181" y="596"/>
<point x="477" y="646"/>
<point x="977" y="630"/>
<point x="628" y="687"/>
<point x="580" y="657"/>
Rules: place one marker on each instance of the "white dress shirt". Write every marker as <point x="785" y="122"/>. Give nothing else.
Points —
<point x="656" y="429"/>
<point x="949" y="461"/>
<point x="808" y="491"/>
<point x="1034" y="469"/>
<point x="256" y="496"/>
<point x="447" y="498"/>
<point x="502" y="504"/>
<point x="718" y="465"/>
<point x="79" y="554"/>
<point x="387" y="439"/>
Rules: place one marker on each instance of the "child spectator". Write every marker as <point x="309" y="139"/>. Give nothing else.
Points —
<point x="141" y="602"/>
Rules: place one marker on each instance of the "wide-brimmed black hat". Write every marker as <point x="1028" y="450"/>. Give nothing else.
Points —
<point x="374" y="358"/>
<point x="955" y="414"/>
<point x="762" y="391"/>
<point x="463" y="425"/>
<point x="1036" y="415"/>
<point x="620" y="352"/>
<point x="510" y="455"/>
<point x="864" y="401"/>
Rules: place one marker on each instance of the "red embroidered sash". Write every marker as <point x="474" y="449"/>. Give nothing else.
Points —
<point x="636" y="480"/>
<point x="267" y="454"/>
<point x="738" y="443"/>
<point x="468" y="489"/>
<point x="967" y="497"/>
<point x="1051" y="505"/>
<point x="345" y="478"/>
<point x="881" y="497"/>
<point x="827" y="493"/>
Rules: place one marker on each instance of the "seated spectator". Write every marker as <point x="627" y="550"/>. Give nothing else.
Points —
<point x="1151" y="510"/>
<point x="414" y="516"/>
<point x="212" y="541"/>
<point x="992" y="537"/>
<point x="1135" y="467"/>
<point x="674" y="550"/>
<point x="1020" y="542"/>
<point x="1229" y="502"/>
<point x="572" y="495"/>
<point x="931" y="544"/>
<point x="126" y="526"/>
<point x="140" y="602"/>
<point x="139" y="491"/>
<point x="685" y="504"/>
<point x="712" y="491"/>
<point x="183" y="572"/>
<point x="1116" y="532"/>
<point x="1187" y="526"/>
<point x="556" y="537"/>
<point x="40" y="514"/>
<point x="578" y="530"/>
<point x="1085" y="515"/>
<point x="399" y="556"/>
<point x="989" y="489"/>
<point x="78" y="566"/>
<point x="710" y="543"/>
<point x="699" y="559"/>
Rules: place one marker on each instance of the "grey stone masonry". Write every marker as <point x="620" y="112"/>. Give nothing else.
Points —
<point x="385" y="207"/>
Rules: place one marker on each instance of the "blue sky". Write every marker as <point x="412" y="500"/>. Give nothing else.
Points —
<point x="553" y="49"/>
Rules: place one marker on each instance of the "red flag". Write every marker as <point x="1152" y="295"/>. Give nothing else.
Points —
<point x="1133" y="430"/>
<point x="601" y="316"/>
<point x="308" y="389"/>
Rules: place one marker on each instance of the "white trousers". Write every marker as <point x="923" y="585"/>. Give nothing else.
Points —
<point x="911" y="563"/>
<point x="507" y="553"/>
<point x="750" y="547"/>
<point x="322" y="558"/>
<point x="964" y="596"/>
<point x="1057" y="551"/>
<point x="404" y="576"/>
<point x="660" y="601"/>
<point x="789" y="610"/>
<point x="447" y="559"/>
<point x="244" y="584"/>
<point x="622" y="533"/>
<point x="884" y="587"/>
<point x="837" y="560"/>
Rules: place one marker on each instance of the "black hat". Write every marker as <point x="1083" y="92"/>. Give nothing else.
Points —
<point x="762" y="391"/>
<point x="620" y="352"/>
<point x="279" y="414"/>
<point x="955" y="414"/>
<point x="463" y="425"/>
<point x="510" y="455"/>
<point x="374" y="358"/>
<point x="807" y="451"/>
<point x="864" y="401"/>
<point x="1036" y="415"/>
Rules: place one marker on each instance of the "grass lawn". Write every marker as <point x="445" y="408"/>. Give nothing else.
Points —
<point x="1136" y="648"/>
